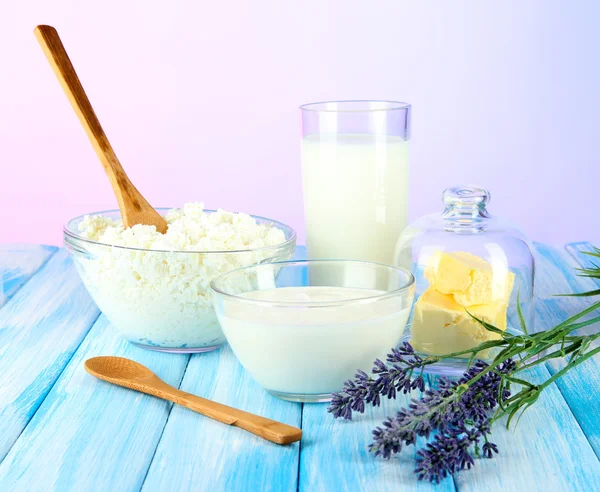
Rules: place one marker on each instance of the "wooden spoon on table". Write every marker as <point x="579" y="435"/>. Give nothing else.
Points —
<point x="134" y="207"/>
<point x="133" y="375"/>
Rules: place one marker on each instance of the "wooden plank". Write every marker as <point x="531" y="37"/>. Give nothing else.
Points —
<point x="107" y="435"/>
<point x="100" y="447"/>
<point x="99" y="435"/>
<point x="18" y="262"/>
<point x="555" y="273"/>
<point x="197" y="453"/>
<point x="546" y="451"/>
<point x="553" y="446"/>
<point x="40" y="329"/>
<point x="548" y="439"/>
<point x="335" y="454"/>
<point x="580" y="386"/>
<point x="578" y="252"/>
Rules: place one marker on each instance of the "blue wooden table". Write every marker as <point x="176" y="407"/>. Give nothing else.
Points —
<point x="61" y="429"/>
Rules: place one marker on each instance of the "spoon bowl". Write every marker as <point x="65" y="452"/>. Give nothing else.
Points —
<point x="119" y="369"/>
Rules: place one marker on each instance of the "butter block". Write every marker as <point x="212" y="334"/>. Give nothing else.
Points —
<point x="469" y="279"/>
<point x="441" y="325"/>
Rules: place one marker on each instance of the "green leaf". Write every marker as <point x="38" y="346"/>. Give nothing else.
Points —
<point x="474" y="351"/>
<point x="525" y="407"/>
<point x="489" y="327"/>
<point x="511" y="416"/>
<point x="570" y="320"/>
<point x="583" y="345"/>
<point x="522" y="382"/>
<point x="521" y="318"/>
<point x="596" y="252"/>
<point x="576" y="326"/>
<point x="500" y="396"/>
<point x="471" y="359"/>
<point x="581" y="294"/>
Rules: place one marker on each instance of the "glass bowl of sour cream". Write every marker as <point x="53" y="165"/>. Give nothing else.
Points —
<point x="155" y="288"/>
<point x="302" y="328"/>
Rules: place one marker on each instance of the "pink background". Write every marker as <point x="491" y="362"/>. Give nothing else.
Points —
<point x="200" y="102"/>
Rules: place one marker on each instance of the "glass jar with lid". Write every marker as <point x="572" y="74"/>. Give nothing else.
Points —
<point x="467" y="264"/>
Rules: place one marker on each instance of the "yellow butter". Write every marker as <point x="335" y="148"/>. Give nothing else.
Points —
<point x="441" y="326"/>
<point x="460" y="282"/>
<point x="471" y="280"/>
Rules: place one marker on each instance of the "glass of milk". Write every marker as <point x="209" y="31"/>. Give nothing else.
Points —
<point x="355" y="172"/>
<point x="302" y="328"/>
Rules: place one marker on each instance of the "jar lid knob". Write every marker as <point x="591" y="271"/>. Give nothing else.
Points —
<point x="466" y="196"/>
<point x="466" y="211"/>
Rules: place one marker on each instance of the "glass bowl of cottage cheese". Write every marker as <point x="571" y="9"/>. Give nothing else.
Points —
<point x="155" y="288"/>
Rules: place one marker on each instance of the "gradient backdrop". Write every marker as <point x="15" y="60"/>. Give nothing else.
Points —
<point x="199" y="99"/>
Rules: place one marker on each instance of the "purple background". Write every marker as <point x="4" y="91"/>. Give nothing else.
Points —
<point x="200" y="102"/>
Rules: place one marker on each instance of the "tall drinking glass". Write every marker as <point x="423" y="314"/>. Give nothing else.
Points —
<point x="355" y="173"/>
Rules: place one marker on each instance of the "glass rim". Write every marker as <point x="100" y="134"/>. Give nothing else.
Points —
<point x="71" y="235"/>
<point x="410" y="282"/>
<point x="392" y="106"/>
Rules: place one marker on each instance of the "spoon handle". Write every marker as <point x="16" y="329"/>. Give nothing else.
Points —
<point x="271" y="430"/>
<point x="134" y="207"/>
<point x="69" y="81"/>
<point x="130" y="374"/>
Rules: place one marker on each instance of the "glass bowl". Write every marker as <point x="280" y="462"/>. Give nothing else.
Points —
<point x="302" y="328"/>
<point x="161" y="300"/>
<point x="466" y="262"/>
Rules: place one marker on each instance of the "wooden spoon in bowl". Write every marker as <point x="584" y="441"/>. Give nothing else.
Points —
<point x="134" y="207"/>
<point x="135" y="376"/>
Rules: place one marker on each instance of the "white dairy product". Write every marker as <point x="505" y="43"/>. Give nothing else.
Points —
<point x="311" y="350"/>
<point x="355" y="195"/>
<point x="162" y="298"/>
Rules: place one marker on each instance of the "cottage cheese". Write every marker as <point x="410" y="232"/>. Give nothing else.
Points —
<point x="159" y="295"/>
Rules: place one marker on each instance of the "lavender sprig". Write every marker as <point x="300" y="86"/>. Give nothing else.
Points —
<point x="391" y="378"/>
<point x="450" y="452"/>
<point x="460" y="413"/>
<point x="449" y="408"/>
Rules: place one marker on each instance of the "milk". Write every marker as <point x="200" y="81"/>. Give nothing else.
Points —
<point x="312" y="350"/>
<point x="355" y="195"/>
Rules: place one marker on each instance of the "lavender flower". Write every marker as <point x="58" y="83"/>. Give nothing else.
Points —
<point x="489" y="448"/>
<point x="450" y="452"/>
<point x="457" y="412"/>
<point x="459" y="416"/>
<point x="391" y="378"/>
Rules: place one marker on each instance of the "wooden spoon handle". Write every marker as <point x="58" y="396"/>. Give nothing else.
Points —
<point x="64" y="71"/>
<point x="134" y="207"/>
<point x="271" y="430"/>
<point x="132" y="375"/>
